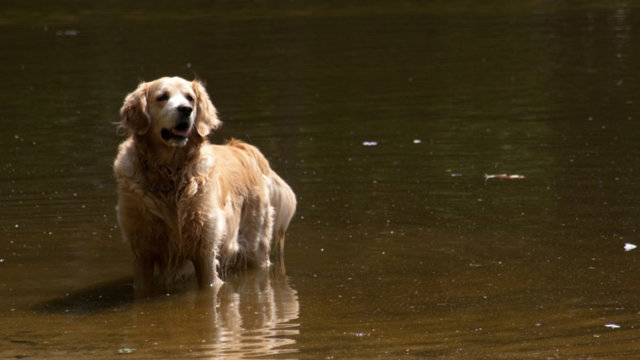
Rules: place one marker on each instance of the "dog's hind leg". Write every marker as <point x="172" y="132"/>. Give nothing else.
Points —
<point x="280" y="269"/>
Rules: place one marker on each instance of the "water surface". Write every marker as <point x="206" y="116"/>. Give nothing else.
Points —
<point x="385" y="119"/>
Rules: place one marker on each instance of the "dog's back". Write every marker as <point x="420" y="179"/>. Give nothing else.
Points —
<point x="282" y="199"/>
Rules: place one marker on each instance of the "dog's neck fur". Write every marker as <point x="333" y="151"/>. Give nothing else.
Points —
<point x="163" y="164"/>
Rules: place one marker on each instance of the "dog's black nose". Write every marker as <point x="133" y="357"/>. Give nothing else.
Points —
<point x="184" y="110"/>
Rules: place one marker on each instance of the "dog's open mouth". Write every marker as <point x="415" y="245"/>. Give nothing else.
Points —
<point x="178" y="133"/>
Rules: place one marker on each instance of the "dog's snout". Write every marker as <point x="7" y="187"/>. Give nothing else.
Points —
<point x="184" y="110"/>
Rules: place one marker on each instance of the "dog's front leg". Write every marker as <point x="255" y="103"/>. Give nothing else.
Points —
<point x="142" y="277"/>
<point x="204" y="265"/>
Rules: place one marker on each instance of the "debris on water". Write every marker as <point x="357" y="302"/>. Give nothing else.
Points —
<point x="417" y="141"/>
<point x="67" y="33"/>
<point x="503" y="176"/>
<point x="629" y="246"/>
<point x="369" y="143"/>
<point x="360" y="334"/>
<point x="453" y="174"/>
<point x="612" y="326"/>
<point x="126" y="351"/>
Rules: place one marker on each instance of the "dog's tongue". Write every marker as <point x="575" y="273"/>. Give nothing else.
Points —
<point x="180" y="132"/>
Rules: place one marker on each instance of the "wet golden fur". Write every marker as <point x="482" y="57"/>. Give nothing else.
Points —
<point x="183" y="200"/>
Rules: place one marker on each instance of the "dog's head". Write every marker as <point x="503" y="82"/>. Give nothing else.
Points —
<point x="170" y="111"/>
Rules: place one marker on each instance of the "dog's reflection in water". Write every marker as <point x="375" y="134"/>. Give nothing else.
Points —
<point x="251" y="314"/>
<point x="256" y="316"/>
<point x="254" y="313"/>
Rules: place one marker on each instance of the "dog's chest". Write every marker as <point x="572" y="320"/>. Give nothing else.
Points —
<point x="178" y="207"/>
<point x="175" y="191"/>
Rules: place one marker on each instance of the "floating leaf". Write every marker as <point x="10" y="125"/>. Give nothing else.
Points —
<point x="503" y="176"/>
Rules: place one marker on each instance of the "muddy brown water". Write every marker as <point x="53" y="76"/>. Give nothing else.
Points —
<point x="385" y="119"/>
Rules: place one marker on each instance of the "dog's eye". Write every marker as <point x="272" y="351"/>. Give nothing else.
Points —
<point x="162" y="97"/>
<point x="189" y="97"/>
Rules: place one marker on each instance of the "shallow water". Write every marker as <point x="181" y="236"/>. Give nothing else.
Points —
<point x="385" y="119"/>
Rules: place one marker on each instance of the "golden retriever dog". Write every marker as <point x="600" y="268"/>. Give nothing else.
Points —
<point x="182" y="200"/>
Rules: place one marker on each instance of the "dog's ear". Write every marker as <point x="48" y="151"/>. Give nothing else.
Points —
<point x="133" y="114"/>
<point x="206" y="114"/>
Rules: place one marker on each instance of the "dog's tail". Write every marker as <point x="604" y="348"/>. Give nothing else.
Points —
<point x="284" y="204"/>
